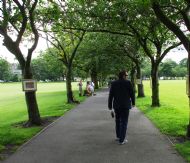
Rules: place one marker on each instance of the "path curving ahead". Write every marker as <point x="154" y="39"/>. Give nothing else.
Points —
<point x="86" y="135"/>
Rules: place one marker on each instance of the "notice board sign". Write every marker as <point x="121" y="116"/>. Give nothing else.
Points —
<point x="29" y="85"/>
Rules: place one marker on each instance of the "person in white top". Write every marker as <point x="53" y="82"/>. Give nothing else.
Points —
<point x="92" y="87"/>
<point x="88" y="89"/>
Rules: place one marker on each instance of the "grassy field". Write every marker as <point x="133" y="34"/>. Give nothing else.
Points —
<point x="51" y="99"/>
<point x="171" y="118"/>
<point x="173" y="115"/>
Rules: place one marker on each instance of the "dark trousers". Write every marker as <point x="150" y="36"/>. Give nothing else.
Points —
<point x="121" y="121"/>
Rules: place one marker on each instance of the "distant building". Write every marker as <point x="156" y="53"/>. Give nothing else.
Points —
<point x="15" y="70"/>
<point x="17" y="73"/>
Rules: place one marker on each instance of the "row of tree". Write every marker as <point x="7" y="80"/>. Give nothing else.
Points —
<point x="48" y="68"/>
<point x="136" y="31"/>
<point x="167" y="68"/>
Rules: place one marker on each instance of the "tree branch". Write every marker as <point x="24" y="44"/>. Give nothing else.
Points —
<point x="97" y="30"/>
<point x="170" y="25"/>
<point x="47" y="39"/>
<point x="142" y="42"/>
<point x="5" y="21"/>
<point x="2" y="31"/>
<point x="34" y="30"/>
<point x="14" y="26"/>
<point x="167" y="50"/>
<point x="14" y="49"/>
<point x="59" y="46"/>
<point x="24" y="22"/>
<point x="74" y="52"/>
<point x="186" y="18"/>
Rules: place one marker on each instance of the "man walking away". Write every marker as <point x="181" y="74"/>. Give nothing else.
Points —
<point x="121" y="98"/>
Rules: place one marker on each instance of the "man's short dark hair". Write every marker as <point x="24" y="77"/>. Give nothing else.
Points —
<point x="121" y="74"/>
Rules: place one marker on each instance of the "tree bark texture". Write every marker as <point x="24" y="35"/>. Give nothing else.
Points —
<point x="32" y="107"/>
<point x="94" y="78"/>
<point x="155" y="86"/>
<point x="140" y="86"/>
<point x="70" y="98"/>
<point x="101" y="81"/>
<point x="132" y="74"/>
<point x="31" y="102"/>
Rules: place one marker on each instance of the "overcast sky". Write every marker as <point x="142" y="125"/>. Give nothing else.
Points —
<point x="4" y="53"/>
<point x="174" y="54"/>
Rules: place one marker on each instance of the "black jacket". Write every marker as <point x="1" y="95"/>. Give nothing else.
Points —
<point x="121" y="95"/>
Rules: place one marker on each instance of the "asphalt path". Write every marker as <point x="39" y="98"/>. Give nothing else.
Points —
<point x="86" y="134"/>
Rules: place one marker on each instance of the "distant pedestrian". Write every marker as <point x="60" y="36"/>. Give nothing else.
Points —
<point x="121" y="98"/>
<point x="80" y="87"/>
<point x="92" y="87"/>
<point x="87" y="91"/>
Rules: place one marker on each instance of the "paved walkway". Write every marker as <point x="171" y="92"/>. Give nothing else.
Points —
<point x="86" y="135"/>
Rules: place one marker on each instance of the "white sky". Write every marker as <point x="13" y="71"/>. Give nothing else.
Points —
<point x="174" y="54"/>
<point x="4" y="53"/>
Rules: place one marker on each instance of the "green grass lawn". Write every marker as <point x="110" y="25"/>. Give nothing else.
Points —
<point x="171" y="118"/>
<point x="173" y="115"/>
<point x="51" y="99"/>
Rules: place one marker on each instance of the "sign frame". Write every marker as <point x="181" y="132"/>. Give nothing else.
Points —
<point x="29" y="85"/>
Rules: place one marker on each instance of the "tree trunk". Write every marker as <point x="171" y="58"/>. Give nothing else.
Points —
<point x="63" y="76"/>
<point x="96" y="82"/>
<point x="31" y="102"/>
<point x="155" y="86"/>
<point x="32" y="106"/>
<point x="94" y="78"/>
<point x="140" y="85"/>
<point x="132" y="74"/>
<point x="188" y="71"/>
<point x="70" y="98"/>
<point x="188" y="130"/>
<point x="101" y="81"/>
